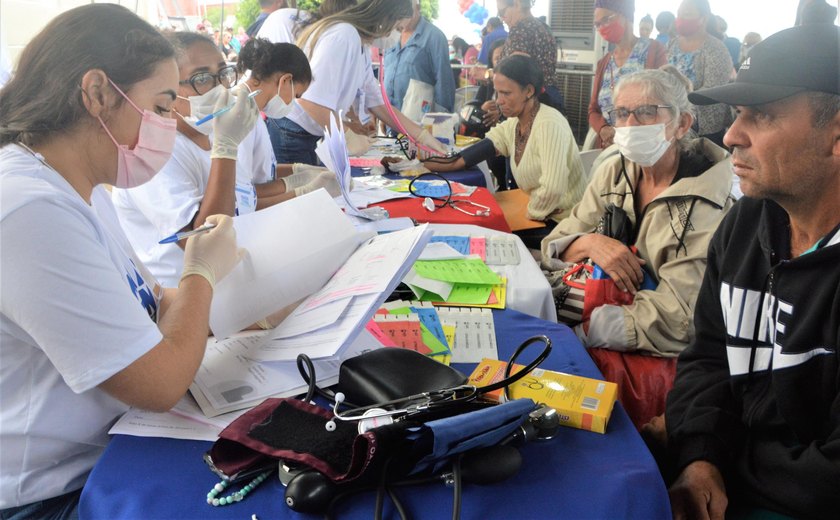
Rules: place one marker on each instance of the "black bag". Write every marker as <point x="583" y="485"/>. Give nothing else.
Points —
<point x="392" y="373"/>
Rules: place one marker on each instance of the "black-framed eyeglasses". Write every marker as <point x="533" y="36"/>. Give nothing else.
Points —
<point x="645" y="114"/>
<point x="604" y="21"/>
<point x="202" y="82"/>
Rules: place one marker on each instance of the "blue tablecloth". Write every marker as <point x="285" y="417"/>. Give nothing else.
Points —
<point x="578" y="474"/>
<point x="471" y="177"/>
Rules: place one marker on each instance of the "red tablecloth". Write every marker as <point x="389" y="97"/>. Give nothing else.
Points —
<point x="413" y="208"/>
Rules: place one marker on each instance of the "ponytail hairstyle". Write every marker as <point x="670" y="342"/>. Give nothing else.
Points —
<point x="264" y="58"/>
<point x="371" y="19"/>
<point x="523" y="70"/>
<point x="44" y="96"/>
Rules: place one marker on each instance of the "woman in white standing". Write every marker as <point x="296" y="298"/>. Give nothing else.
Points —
<point x="83" y="332"/>
<point x="337" y="47"/>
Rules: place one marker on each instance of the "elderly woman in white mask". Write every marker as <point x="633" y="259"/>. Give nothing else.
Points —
<point x="675" y="191"/>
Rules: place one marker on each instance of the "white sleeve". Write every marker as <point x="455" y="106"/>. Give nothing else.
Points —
<point x="335" y="64"/>
<point x="273" y="29"/>
<point x="61" y="286"/>
<point x="171" y="199"/>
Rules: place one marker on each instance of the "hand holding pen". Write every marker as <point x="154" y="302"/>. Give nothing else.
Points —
<point x="232" y="127"/>
<point x="221" y="111"/>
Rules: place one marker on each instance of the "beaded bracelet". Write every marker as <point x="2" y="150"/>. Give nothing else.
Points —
<point x="237" y="496"/>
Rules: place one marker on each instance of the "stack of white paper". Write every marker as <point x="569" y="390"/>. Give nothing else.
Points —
<point x="365" y="280"/>
<point x="292" y="251"/>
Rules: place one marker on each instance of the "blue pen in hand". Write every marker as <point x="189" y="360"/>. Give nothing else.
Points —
<point x="223" y="110"/>
<point x="186" y="234"/>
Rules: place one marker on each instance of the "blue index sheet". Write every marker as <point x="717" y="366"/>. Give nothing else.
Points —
<point x="432" y="189"/>
<point x="429" y="317"/>
<point x="458" y="243"/>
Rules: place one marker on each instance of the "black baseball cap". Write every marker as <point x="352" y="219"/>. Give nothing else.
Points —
<point x="799" y="59"/>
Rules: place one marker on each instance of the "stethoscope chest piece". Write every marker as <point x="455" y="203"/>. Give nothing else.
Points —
<point x="374" y="418"/>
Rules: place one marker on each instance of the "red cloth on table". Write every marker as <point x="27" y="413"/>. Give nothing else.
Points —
<point x="413" y="207"/>
<point x="643" y="381"/>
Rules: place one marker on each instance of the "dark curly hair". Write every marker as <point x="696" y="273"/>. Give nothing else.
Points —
<point x="44" y="96"/>
<point x="264" y="58"/>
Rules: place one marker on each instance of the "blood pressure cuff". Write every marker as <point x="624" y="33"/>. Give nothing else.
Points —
<point x="436" y="442"/>
<point x="392" y="373"/>
<point x="480" y="151"/>
<point x="294" y="431"/>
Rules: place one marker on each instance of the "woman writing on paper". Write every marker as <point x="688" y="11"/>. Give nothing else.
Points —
<point x="201" y="178"/>
<point x="337" y="47"/>
<point x="84" y="331"/>
<point x="544" y="158"/>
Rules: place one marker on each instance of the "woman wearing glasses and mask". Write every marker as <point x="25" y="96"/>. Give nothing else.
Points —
<point x="222" y="166"/>
<point x="675" y="190"/>
<point x="84" y="331"/>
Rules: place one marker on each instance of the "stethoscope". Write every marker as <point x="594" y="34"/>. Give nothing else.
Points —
<point x="433" y="203"/>
<point x="414" y="406"/>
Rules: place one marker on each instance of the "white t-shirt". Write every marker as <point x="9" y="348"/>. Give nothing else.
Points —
<point x="170" y="201"/>
<point x="260" y="162"/>
<point x="74" y="310"/>
<point x="279" y="26"/>
<point x="341" y="72"/>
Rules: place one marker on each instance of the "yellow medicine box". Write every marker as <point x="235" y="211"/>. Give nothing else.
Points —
<point x="580" y="402"/>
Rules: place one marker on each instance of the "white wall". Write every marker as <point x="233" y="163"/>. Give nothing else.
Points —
<point x="20" y="20"/>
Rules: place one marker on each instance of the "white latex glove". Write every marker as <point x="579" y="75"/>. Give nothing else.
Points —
<point x="429" y="141"/>
<point x="230" y="128"/>
<point x="326" y="180"/>
<point x="302" y="174"/>
<point x="212" y="254"/>
<point x="357" y="144"/>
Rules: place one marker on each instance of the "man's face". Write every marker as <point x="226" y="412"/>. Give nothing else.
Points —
<point x="777" y="153"/>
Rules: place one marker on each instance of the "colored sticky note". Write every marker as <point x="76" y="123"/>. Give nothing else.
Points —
<point x="478" y="246"/>
<point x="461" y="270"/>
<point x="458" y="243"/>
<point x="405" y="334"/>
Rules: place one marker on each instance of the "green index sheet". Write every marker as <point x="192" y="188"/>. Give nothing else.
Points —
<point x="460" y="270"/>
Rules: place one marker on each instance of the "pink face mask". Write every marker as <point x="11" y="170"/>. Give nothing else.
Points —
<point x="137" y="166"/>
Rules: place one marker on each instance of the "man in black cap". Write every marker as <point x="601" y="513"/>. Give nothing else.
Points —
<point x="754" y="417"/>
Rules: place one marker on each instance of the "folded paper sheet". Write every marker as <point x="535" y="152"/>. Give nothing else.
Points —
<point x="293" y="249"/>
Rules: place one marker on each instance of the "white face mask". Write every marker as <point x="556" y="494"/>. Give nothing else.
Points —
<point x="644" y="145"/>
<point x="384" y="43"/>
<point x="276" y="108"/>
<point x="204" y="104"/>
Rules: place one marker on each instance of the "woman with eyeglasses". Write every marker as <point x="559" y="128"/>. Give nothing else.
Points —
<point x="338" y="50"/>
<point x="213" y="172"/>
<point x="85" y="332"/>
<point x="675" y="190"/>
<point x="614" y="22"/>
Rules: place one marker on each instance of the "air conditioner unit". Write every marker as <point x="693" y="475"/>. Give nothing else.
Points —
<point x="579" y="49"/>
